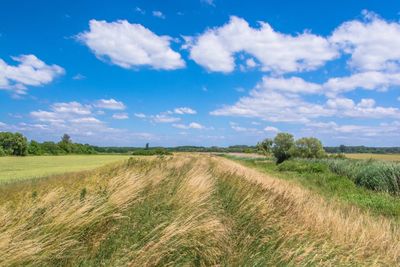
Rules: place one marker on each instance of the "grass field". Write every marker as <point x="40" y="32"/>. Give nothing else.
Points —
<point x="20" y="168"/>
<point x="185" y="210"/>
<point x="392" y="157"/>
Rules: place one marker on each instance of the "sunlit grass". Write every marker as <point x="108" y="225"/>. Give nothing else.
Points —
<point x="20" y="168"/>
<point x="393" y="157"/>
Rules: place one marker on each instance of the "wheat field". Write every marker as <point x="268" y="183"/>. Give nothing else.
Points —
<point x="185" y="210"/>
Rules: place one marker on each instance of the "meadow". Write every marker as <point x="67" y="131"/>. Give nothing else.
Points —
<point x="23" y="168"/>
<point x="391" y="157"/>
<point x="187" y="210"/>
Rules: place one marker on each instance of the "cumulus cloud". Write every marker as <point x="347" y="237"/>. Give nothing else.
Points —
<point x="216" y="48"/>
<point x="373" y="43"/>
<point x="278" y="104"/>
<point x="30" y="71"/>
<point x="192" y="125"/>
<point x="281" y="100"/>
<point x="110" y="104"/>
<point x="369" y="80"/>
<point x="130" y="45"/>
<point x="271" y="129"/>
<point x="184" y="110"/>
<point x="164" y="118"/>
<point x="120" y="116"/>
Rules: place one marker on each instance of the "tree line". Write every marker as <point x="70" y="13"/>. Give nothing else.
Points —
<point x="15" y="144"/>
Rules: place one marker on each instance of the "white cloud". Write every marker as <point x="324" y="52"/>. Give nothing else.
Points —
<point x="130" y="45"/>
<point x="281" y="100"/>
<point x="139" y="10"/>
<point x="184" y="110"/>
<point x="208" y="2"/>
<point x="370" y="80"/>
<point x="158" y="14"/>
<point x="30" y="71"/>
<point x="271" y="129"/>
<point x="192" y="125"/>
<point x="140" y="115"/>
<point x="290" y="85"/>
<point x="373" y="43"/>
<point x="110" y="104"/>
<point x="71" y="107"/>
<point x="215" y="49"/>
<point x="163" y="118"/>
<point x="120" y="116"/>
<point x="274" y="100"/>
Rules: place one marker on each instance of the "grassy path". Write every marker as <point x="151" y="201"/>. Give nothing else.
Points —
<point x="185" y="210"/>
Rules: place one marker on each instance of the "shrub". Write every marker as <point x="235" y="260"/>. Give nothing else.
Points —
<point x="302" y="166"/>
<point x="2" y="153"/>
<point x="308" y="147"/>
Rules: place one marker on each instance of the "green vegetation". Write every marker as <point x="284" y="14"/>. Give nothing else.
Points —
<point x="22" y="168"/>
<point x="13" y="144"/>
<point x="183" y="210"/>
<point x="283" y="147"/>
<point x="316" y="176"/>
<point x="371" y="174"/>
<point x="363" y="149"/>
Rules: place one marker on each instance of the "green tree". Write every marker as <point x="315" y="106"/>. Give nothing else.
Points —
<point x="308" y="147"/>
<point x="34" y="148"/>
<point x="66" y="144"/>
<point x="14" y="144"/>
<point x="265" y="146"/>
<point x="283" y="147"/>
<point x="2" y="153"/>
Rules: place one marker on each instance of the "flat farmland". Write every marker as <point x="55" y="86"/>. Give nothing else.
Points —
<point x="391" y="157"/>
<point x="22" y="168"/>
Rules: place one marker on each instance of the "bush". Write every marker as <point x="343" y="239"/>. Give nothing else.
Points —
<point x="2" y="153"/>
<point x="308" y="147"/>
<point x="302" y="166"/>
<point x="14" y="144"/>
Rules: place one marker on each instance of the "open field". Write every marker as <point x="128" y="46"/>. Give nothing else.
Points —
<point x="20" y="168"/>
<point x="186" y="210"/>
<point x="392" y="157"/>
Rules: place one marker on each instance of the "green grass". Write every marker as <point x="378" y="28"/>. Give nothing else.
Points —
<point x="23" y="168"/>
<point x="331" y="186"/>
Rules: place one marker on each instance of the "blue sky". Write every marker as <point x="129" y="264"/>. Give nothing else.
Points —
<point x="201" y="72"/>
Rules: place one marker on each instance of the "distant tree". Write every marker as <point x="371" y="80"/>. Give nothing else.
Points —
<point x="147" y="146"/>
<point x="283" y="147"/>
<point x="265" y="146"/>
<point x="13" y="144"/>
<point x="34" y="148"/>
<point x="342" y="148"/>
<point x="66" y="144"/>
<point x="2" y="153"/>
<point x="308" y="147"/>
<point x="66" y="138"/>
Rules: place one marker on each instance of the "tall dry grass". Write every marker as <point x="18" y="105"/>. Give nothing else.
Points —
<point x="363" y="238"/>
<point x="186" y="210"/>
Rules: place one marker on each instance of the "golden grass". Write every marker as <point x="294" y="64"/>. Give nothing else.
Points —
<point x="365" y="238"/>
<point x="390" y="157"/>
<point x="68" y="219"/>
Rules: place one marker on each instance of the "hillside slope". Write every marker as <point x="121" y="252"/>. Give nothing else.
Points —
<point x="190" y="210"/>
